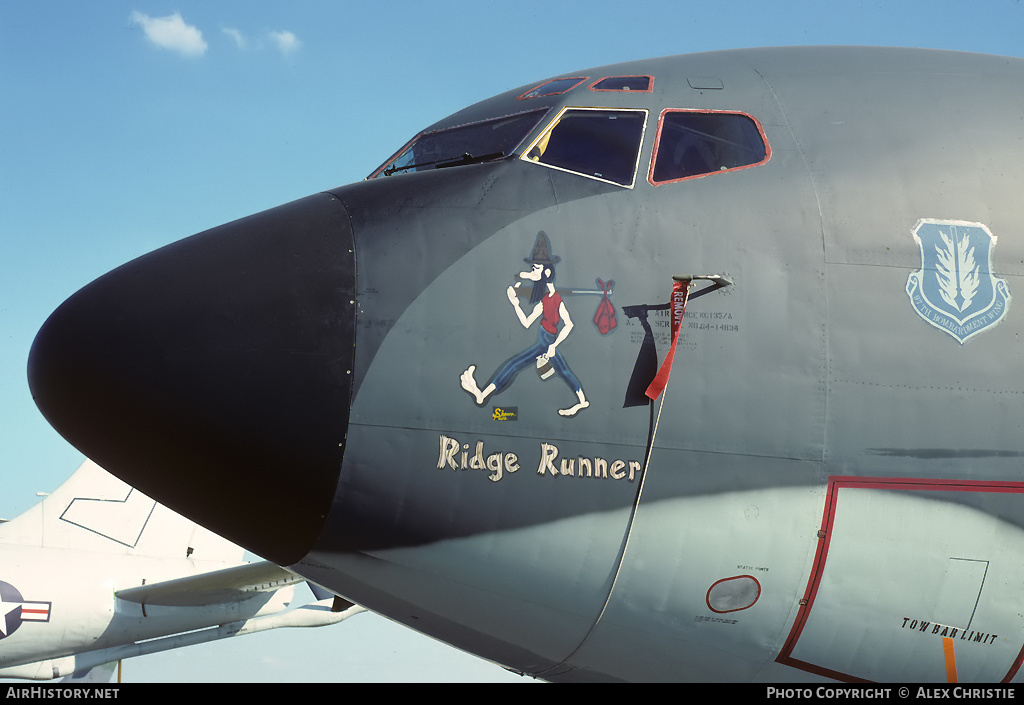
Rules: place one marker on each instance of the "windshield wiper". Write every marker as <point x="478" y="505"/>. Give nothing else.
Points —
<point x="466" y="158"/>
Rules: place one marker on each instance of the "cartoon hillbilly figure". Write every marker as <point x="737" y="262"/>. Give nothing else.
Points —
<point x="550" y="309"/>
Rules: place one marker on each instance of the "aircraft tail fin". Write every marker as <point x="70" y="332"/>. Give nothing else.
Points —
<point x="95" y="511"/>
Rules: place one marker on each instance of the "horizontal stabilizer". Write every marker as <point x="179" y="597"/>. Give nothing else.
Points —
<point x="213" y="588"/>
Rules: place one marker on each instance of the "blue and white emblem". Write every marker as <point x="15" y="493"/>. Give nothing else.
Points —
<point x="14" y="610"/>
<point x="954" y="290"/>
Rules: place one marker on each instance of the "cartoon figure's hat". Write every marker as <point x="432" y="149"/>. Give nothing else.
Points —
<point x="542" y="251"/>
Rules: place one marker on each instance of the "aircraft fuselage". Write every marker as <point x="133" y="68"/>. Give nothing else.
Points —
<point x="442" y="370"/>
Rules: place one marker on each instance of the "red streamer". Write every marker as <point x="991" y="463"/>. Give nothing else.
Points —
<point x="680" y="295"/>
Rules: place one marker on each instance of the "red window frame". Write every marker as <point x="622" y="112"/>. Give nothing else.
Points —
<point x="650" y="85"/>
<point x="657" y="144"/>
<point x="527" y="96"/>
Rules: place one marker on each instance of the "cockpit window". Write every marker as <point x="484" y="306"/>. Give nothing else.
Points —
<point x="641" y="84"/>
<point x="694" y="143"/>
<point x="554" y="87"/>
<point x="599" y="143"/>
<point x="477" y="142"/>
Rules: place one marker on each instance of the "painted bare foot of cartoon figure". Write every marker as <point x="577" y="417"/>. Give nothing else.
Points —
<point x="469" y="384"/>
<point x="573" y="410"/>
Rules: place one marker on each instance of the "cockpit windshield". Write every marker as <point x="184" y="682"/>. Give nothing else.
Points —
<point x="484" y="141"/>
<point x="599" y="143"/>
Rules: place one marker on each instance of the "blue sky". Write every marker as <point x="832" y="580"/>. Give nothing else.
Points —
<point x="127" y="125"/>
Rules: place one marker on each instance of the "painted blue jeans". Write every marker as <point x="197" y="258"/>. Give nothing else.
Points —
<point x="514" y="365"/>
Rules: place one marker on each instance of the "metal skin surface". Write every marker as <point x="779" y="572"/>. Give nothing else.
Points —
<point x="833" y="487"/>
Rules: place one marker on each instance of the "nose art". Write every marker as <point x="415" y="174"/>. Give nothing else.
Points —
<point x="214" y="374"/>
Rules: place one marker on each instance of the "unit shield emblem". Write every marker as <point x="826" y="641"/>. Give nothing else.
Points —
<point x="954" y="290"/>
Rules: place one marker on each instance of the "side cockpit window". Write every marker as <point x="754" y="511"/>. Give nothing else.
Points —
<point x="473" y="143"/>
<point x="555" y="86"/>
<point x="698" y="143"/>
<point x="638" y="84"/>
<point x="599" y="143"/>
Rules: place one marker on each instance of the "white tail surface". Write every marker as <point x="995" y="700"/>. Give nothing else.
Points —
<point x="95" y="511"/>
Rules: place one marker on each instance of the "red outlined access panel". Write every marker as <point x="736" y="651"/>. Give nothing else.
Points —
<point x="908" y="578"/>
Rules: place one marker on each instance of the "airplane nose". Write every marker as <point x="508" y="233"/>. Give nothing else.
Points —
<point x="214" y="374"/>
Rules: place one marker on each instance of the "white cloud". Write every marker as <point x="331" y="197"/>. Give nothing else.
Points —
<point x="172" y="33"/>
<point x="285" y="41"/>
<point x="236" y="35"/>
